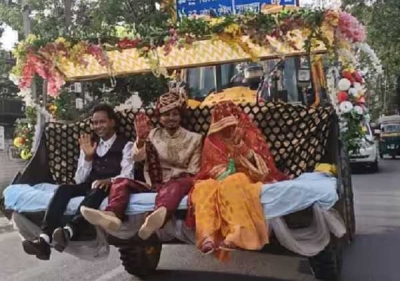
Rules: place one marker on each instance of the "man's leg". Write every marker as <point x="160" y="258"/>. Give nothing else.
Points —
<point x="92" y="200"/>
<point x="167" y="201"/>
<point x="52" y="219"/>
<point x="62" y="235"/>
<point x="172" y="193"/>
<point x="118" y="200"/>
<point x="119" y="197"/>
<point x="58" y="205"/>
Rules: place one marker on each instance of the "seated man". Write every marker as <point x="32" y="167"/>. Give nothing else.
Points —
<point x="172" y="158"/>
<point x="99" y="161"/>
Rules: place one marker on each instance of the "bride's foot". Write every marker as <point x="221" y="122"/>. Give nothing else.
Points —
<point x="227" y="246"/>
<point x="208" y="247"/>
<point x="153" y="223"/>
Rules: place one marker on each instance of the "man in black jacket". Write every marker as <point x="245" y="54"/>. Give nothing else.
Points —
<point x="100" y="161"/>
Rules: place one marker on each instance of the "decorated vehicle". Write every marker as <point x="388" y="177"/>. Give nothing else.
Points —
<point x="389" y="141"/>
<point x="306" y="138"/>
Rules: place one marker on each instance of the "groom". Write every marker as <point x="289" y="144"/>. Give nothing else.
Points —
<point x="172" y="157"/>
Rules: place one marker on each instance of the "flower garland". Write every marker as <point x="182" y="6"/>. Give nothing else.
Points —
<point x="337" y="30"/>
<point x="350" y="28"/>
<point x="375" y="62"/>
<point x="36" y="57"/>
<point x="25" y="132"/>
<point x="350" y="97"/>
<point x="352" y="109"/>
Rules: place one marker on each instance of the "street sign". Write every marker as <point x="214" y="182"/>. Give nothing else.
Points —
<point x="2" y="139"/>
<point x="225" y="7"/>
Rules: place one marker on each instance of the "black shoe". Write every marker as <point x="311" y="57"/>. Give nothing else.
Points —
<point x="61" y="238"/>
<point x="38" y="248"/>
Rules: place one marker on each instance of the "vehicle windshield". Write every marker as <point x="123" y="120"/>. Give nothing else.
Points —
<point x="202" y="80"/>
<point x="394" y="128"/>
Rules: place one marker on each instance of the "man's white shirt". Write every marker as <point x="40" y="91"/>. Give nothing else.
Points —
<point x="85" y="167"/>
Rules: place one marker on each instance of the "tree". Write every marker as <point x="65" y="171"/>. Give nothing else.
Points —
<point x="93" y="20"/>
<point x="380" y="17"/>
<point x="7" y="88"/>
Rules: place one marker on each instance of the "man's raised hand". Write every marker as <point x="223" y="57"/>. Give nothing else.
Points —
<point x="87" y="146"/>
<point x="142" y="127"/>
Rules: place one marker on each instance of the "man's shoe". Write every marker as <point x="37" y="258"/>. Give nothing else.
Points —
<point x="106" y="220"/>
<point x="61" y="239"/>
<point x="38" y="248"/>
<point x="153" y="222"/>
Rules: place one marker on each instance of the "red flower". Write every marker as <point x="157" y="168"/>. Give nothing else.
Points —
<point x="128" y="43"/>
<point x="342" y="96"/>
<point x="357" y="76"/>
<point x="349" y="76"/>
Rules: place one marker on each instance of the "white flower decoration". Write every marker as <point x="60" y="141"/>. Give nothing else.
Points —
<point x="352" y="92"/>
<point x="345" y="107"/>
<point x="358" y="109"/>
<point x="357" y="86"/>
<point x="344" y="84"/>
<point x="26" y="95"/>
<point x="13" y="78"/>
<point x="343" y="125"/>
<point x="375" y="61"/>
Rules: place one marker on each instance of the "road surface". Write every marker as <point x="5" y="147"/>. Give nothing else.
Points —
<point x="372" y="257"/>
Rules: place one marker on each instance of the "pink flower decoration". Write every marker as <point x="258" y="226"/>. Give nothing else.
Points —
<point x="37" y="65"/>
<point x="351" y="28"/>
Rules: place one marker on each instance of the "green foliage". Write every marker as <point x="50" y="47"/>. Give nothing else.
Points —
<point x="148" y="86"/>
<point x="5" y="67"/>
<point x="65" y="106"/>
<point x="91" y="20"/>
<point x="354" y="133"/>
<point x="12" y="16"/>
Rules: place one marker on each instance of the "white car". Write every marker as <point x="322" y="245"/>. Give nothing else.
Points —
<point x="369" y="152"/>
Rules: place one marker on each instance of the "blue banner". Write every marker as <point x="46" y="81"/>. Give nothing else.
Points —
<point x="224" y="7"/>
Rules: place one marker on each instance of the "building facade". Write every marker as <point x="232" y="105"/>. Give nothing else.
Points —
<point x="321" y="3"/>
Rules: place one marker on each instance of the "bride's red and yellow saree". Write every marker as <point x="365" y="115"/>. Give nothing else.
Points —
<point x="229" y="210"/>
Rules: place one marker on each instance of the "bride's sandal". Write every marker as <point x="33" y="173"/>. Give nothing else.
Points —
<point x="227" y="246"/>
<point x="207" y="248"/>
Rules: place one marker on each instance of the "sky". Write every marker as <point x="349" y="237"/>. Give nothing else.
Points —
<point x="10" y="37"/>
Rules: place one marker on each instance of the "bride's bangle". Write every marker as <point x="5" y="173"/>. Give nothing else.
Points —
<point x="242" y="148"/>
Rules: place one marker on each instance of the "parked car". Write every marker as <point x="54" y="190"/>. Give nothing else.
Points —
<point x="368" y="155"/>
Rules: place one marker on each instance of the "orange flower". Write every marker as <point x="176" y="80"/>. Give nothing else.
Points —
<point x="332" y="17"/>
<point x="18" y="142"/>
